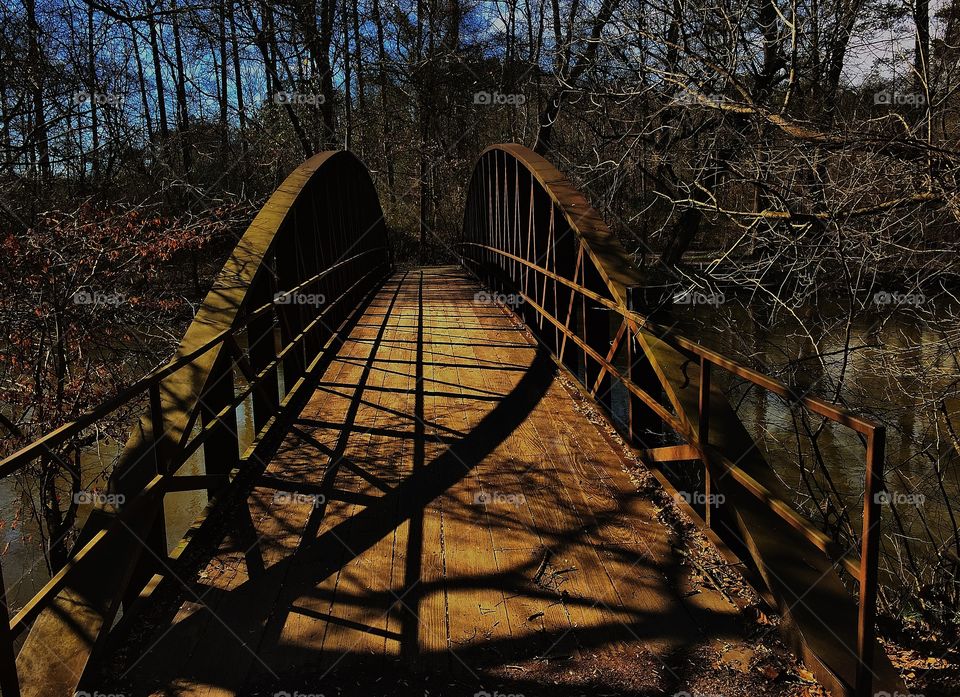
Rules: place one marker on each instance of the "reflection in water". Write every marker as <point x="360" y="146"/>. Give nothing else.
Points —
<point x="892" y="369"/>
<point x="897" y="370"/>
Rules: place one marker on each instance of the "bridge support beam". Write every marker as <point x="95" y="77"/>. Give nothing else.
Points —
<point x="221" y="449"/>
<point x="596" y="334"/>
<point x="262" y="349"/>
<point x="291" y="316"/>
<point x="646" y="429"/>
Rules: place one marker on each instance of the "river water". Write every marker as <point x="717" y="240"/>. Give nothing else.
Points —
<point x="898" y="367"/>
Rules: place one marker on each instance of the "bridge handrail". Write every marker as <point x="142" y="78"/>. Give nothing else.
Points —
<point x="52" y="439"/>
<point x="835" y="412"/>
<point x="162" y="483"/>
<point x="616" y="289"/>
<point x="288" y="246"/>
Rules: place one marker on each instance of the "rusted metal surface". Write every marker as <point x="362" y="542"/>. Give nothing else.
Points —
<point x="327" y="215"/>
<point x="870" y="549"/>
<point x="541" y="239"/>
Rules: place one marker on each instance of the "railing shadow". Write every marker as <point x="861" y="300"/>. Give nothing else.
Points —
<point x="237" y="628"/>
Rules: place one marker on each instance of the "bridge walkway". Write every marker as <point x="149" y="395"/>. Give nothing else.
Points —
<point x="440" y="513"/>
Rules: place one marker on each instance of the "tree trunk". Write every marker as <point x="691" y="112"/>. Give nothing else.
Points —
<point x="93" y="89"/>
<point x="361" y="100"/>
<point x="158" y="79"/>
<point x="238" y="79"/>
<point x="385" y="140"/>
<point x="35" y="68"/>
<point x="549" y="115"/>
<point x="141" y="79"/>
<point x="325" y="40"/>
<point x="5" y="128"/>
<point x="224" y="81"/>
<point x="264" y="44"/>
<point x="347" y="98"/>
<point x="183" y="114"/>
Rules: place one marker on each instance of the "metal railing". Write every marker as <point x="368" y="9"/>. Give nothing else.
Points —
<point x="321" y="234"/>
<point x="528" y="231"/>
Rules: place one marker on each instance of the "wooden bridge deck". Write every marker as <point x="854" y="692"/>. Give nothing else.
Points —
<point x="441" y="509"/>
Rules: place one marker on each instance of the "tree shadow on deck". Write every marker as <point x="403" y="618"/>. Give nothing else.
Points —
<point x="231" y="633"/>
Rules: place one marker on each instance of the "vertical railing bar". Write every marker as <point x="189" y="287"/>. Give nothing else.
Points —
<point x="9" y="680"/>
<point x="246" y="368"/>
<point x="156" y="426"/>
<point x="703" y="433"/>
<point x="869" y="560"/>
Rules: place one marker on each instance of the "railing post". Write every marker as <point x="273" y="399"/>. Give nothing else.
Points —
<point x="572" y="354"/>
<point x="156" y="428"/>
<point x="291" y="315"/>
<point x="9" y="681"/>
<point x="869" y="561"/>
<point x="646" y="428"/>
<point x="155" y="539"/>
<point x="261" y="339"/>
<point x="596" y="335"/>
<point x="703" y="434"/>
<point x="221" y="449"/>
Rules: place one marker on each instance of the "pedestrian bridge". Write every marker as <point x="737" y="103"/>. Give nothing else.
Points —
<point x="455" y="481"/>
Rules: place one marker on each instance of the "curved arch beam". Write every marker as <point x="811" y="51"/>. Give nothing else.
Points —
<point x="608" y="255"/>
<point x="321" y="231"/>
<point x="519" y="217"/>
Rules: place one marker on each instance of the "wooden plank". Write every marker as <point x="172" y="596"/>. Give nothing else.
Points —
<point x="424" y="621"/>
<point x="539" y="623"/>
<point x="637" y="551"/>
<point x="321" y="615"/>
<point x="475" y="608"/>
<point x="402" y="618"/>
<point x="358" y="616"/>
<point x="590" y="600"/>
